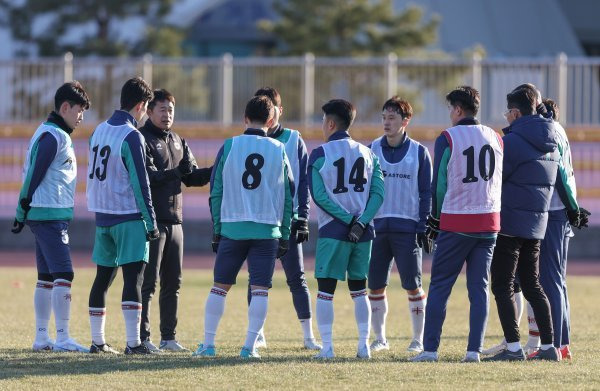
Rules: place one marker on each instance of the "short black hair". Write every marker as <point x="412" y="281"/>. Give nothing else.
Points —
<point x="551" y="107"/>
<point x="523" y="100"/>
<point x="259" y="109"/>
<point x="271" y="93"/>
<point x="399" y="105"/>
<point x="341" y="112"/>
<point x="134" y="91"/>
<point x="160" y="96"/>
<point x="73" y="93"/>
<point x="465" y="97"/>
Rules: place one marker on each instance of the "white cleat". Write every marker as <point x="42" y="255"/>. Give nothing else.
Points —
<point x="364" y="352"/>
<point x="43" y="346"/>
<point x="261" y="342"/>
<point x="379" y="344"/>
<point x="70" y="345"/>
<point x="325" y="354"/>
<point x="151" y="346"/>
<point x="471" y="357"/>
<point x="495" y="349"/>
<point x="425" y="357"/>
<point x="415" y="346"/>
<point x="311" y="344"/>
<point x="173" y="346"/>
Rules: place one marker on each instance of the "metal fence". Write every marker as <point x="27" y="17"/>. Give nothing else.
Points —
<point x="216" y="89"/>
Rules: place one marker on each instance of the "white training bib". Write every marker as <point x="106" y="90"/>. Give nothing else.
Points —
<point x="567" y="162"/>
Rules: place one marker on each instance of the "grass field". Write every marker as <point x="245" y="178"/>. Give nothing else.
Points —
<point x="284" y="365"/>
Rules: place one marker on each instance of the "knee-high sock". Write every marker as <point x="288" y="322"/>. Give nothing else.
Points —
<point x="42" y="303"/>
<point x="534" y="333"/>
<point x="379" y="310"/>
<point x="416" y="305"/>
<point x="519" y="300"/>
<point x="324" y="310"/>
<point x="61" y="305"/>
<point x="307" y="329"/>
<point x="362" y="314"/>
<point x="132" y="312"/>
<point x="97" y="322"/>
<point x="215" y="306"/>
<point x="257" y="313"/>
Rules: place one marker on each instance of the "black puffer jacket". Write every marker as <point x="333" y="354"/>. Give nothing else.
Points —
<point x="164" y="151"/>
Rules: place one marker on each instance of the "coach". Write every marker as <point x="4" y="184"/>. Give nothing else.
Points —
<point x="169" y="162"/>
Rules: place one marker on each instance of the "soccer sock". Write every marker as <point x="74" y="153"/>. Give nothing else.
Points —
<point x="534" y="334"/>
<point x="97" y="322"/>
<point x="362" y="314"/>
<point x="416" y="305"/>
<point x="324" y="309"/>
<point x="257" y="313"/>
<point x="61" y="305"/>
<point x="379" y="310"/>
<point x="132" y="312"/>
<point x="42" y="303"/>
<point x="307" y="328"/>
<point x="513" y="346"/>
<point x="546" y="346"/>
<point x="519" y="300"/>
<point x="215" y="306"/>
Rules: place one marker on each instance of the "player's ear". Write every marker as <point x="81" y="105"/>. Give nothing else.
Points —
<point x="405" y="122"/>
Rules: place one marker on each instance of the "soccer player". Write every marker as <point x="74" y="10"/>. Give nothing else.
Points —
<point x="467" y="180"/>
<point x="169" y="163"/>
<point x="119" y="193"/>
<point x="400" y="222"/>
<point x="251" y="207"/>
<point x="46" y="205"/>
<point x="293" y="260"/>
<point x="347" y="186"/>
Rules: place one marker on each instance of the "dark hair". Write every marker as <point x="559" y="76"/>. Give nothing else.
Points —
<point x="270" y="93"/>
<point x="134" y="91"/>
<point x="73" y="93"/>
<point x="341" y="112"/>
<point x="259" y="109"/>
<point x="523" y="100"/>
<point x="551" y="107"/>
<point x="400" y="106"/>
<point x="465" y="97"/>
<point x="160" y="96"/>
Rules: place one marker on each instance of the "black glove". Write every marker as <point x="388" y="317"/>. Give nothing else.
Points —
<point x="578" y="218"/>
<point x="152" y="235"/>
<point x="284" y="245"/>
<point x="17" y="227"/>
<point x="185" y="166"/>
<point x="424" y="242"/>
<point x="215" y="243"/>
<point x="301" y="228"/>
<point x="433" y="227"/>
<point x="356" y="230"/>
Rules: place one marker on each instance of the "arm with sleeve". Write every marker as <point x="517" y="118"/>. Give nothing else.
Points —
<point x="216" y="187"/>
<point x="425" y="172"/>
<point x="563" y="187"/>
<point x="158" y="177"/>
<point x="439" y="183"/>
<point x="198" y="176"/>
<point x="302" y="181"/>
<point x="376" y="194"/>
<point x="319" y="193"/>
<point x="288" y="208"/>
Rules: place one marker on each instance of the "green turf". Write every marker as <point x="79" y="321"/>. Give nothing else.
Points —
<point x="284" y="364"/>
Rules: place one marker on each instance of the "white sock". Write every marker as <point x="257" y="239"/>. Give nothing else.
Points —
<point x="513" y="346"/>
<point x="546" y="346"/>
<point x="362" y="314"/>
<point x="97" y="322"/>
<point x="257" y="313"/>
<point x="215" y="306"/>
<point x="132" y="312"/>
<point x="307" y="328"/>
<point x="324" y="309"/>
<point x="379" y="310"/>
<point x="519" y="300"/>
<point x="534" y="333"/>
<point x="416" y="305"/>
<point x="61" y="305"/>
<point x="42" y="303"/>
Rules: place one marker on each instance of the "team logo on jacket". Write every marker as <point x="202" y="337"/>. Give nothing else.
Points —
<point x="158" y="145"/>
<point x="177" y="145"/>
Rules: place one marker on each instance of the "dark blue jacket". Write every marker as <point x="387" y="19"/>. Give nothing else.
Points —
<point x="530" y="167"/>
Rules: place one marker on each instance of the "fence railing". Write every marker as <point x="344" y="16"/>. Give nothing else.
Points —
<point x="216" y="89"/>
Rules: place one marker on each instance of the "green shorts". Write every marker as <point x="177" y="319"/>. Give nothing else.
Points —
<point x="120" y="244"/>
<point x="335" y="258"/>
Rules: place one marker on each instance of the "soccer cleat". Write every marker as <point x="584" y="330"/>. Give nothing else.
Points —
<point x="311" y="344"/>
<point x="379" y="344"/>
<point x="325" y="354"/>
<point x="425" y="356"/>
<point x="246" y="353"/>
<point x="565" y="352"/>
<point x="495" y="349"/>
<point x="531" y="348"/>
<point x="70" y="345"/>
<point x="261" y="342"/>
<point x="43" y="346"/>
<point x="104" y="348"/>
<point x="205" y="351"/>
<point x="507" y="355"/>
<point x="415" y="346"/>
<point x="471" y="357"/>
<point x="551" y="354"/>
<point x="363" y="352"/>
<point x="173" y="346"/>
<point x="152" y="347"/>
<point x="140" y="349"/>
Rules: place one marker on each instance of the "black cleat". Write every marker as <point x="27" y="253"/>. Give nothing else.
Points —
<point x="507" y="355"/>
<point x="549" y="354"/>
<point x="141" y="349"/>
<point x="104" y="348"/>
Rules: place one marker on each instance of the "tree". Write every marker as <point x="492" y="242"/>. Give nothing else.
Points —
<point x="349" y="28"/>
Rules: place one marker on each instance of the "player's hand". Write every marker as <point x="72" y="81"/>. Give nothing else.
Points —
<point x="215" y="243"/>
<point x="17" y="227"/>
<point x="356" y="230"/>
<point x="152" y="235"/>
<point x="433" y="227"/>
<point x="424" y="242"/>
<point x="301" y="228"/>
<point x="185" y="166"/>
<point x="579" y="218"/>
<point x="283" y="248"/>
